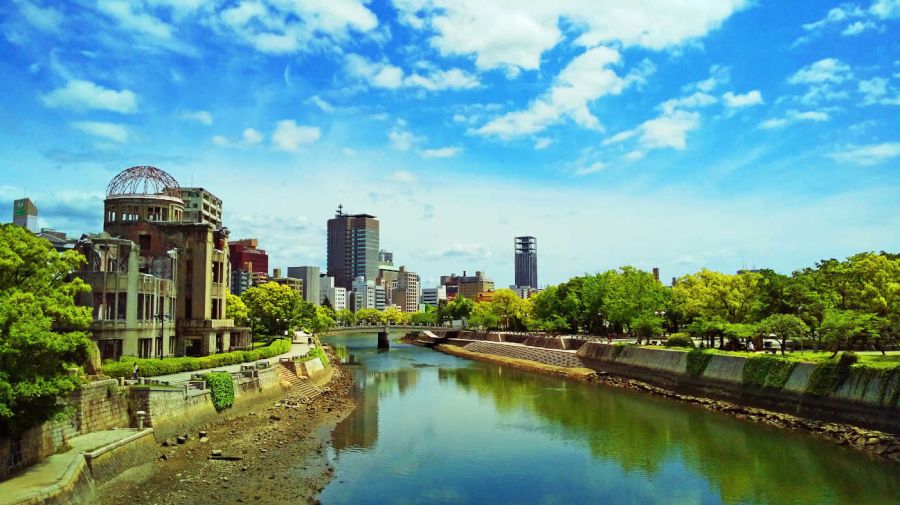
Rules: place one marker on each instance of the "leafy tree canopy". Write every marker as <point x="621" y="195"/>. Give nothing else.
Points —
<point x="41" y="330"/>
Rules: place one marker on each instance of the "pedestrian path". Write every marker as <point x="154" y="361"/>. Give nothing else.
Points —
<point x="44" y="477"/>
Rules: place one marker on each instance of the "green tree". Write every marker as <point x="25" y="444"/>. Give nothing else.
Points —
<point x="784" y="327"/>
<point x="849" y="326"/>
<point x="510" y="310"/>
<point x="41" y="329"/>
<point x="709" y="294"/>
<point x="369" y="316"/>
<point x="274" y="309"/>
<point x="483" y="318"/>
<point x="392" y="315"/>
<point x="460" y="308"/>
<point x="646" y="326"/>
<point x="323" y="322"/>
<point x="430" y="316"/>
<point x="345" y="317"/>
<point x="236" y="309"/>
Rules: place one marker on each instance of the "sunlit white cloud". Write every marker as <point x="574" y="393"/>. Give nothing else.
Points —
<point x="83" y="95"/>
<point x="867" y="155"/>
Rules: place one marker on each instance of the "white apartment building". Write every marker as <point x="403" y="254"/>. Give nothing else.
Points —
<point x="363" y="294"/>
<point x="336" y="295"/>
<point x="433" y="296"/>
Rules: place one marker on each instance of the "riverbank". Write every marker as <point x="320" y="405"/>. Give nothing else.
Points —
<point x="273" y="454"/>
<point x="876" y="443"/>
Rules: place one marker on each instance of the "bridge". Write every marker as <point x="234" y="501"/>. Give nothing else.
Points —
<point x="383" y="330"/>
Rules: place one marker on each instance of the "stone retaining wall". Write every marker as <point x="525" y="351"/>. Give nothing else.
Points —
<point x="100" y="405"/>
<point x="172" y="412"/>
<point x="861" y="400"/>
<point x="110" y="462"/>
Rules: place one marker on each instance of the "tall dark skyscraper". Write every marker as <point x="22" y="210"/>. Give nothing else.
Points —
<point x="352" y="248"/>
<point x="526" y="262"/>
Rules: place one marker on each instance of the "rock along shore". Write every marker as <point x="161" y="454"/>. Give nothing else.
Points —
<point x="275" y="454"/>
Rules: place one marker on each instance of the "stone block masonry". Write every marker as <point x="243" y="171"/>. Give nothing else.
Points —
<point x="100" y="405"/>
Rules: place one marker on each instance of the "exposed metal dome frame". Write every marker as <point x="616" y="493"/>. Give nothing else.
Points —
<point x="143" y="180"/>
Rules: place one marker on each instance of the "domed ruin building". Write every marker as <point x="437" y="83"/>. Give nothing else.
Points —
<point x="159" y="273"/>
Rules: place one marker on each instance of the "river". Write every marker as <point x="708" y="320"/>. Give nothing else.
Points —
<point x="433" y="428"/>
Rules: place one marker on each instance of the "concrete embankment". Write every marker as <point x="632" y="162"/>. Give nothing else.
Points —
<point x="857" y="408"/>
<point x="856" y="396"/>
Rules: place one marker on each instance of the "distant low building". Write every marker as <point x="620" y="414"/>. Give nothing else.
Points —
<point x="406" y="294"/>
<point x="25" y="214"/>
<point x="433" y="296"/>
<point x="465" y="285"/>
<point x="335" y="295"/>
<point x="363" y="296"/>
<point x="61" y="242"/>
<point x="524" y="292"/>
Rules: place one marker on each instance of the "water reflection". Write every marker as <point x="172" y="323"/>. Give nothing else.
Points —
<point x="433" y="428"/>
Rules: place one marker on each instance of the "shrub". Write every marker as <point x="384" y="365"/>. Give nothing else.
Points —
<point x="848" y="358"/>
<point x="767" y="371"/>
<point x="679" y="340"/>
<point x="318" y="352"/>
<point x="221" y="389"/>
<point x="697" y="360"/>
<point x="165" y="366"/>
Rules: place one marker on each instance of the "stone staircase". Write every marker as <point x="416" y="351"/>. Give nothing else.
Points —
<point x="290" y="381"/>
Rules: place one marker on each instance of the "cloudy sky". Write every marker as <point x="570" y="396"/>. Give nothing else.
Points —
<point x="670" y="133"/>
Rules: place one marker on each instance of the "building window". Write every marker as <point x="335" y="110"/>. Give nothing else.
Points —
<point x="144" y="242"/>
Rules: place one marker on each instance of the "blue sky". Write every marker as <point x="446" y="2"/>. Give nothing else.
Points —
<point x="677" y="134"/>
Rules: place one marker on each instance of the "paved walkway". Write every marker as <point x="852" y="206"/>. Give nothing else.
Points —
<point x="297" y="349"/>
<point x="39" y="478"/>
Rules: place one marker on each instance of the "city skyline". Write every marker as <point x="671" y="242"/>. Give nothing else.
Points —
<point x="691" y="144"/>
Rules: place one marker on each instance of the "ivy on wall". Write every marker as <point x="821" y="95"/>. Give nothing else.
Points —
<point x="221" y="389"/>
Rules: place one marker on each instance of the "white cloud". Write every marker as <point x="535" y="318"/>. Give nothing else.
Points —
<point x="794" y="116"/>
<point x="669" y="130"/>
<point x="46" y="19"/>
<point x="718" y="75"/>
<point x="697" y="100"/>
<point x="84" y="95"/>
<point x="733" y="101"/>
<point x="593" y="168"/>
<point x="867" y="155"/>
<point x="200" y="116"/>
<point x="529" y="28"/>
<point x="321" y="103"/>
<point x="858" y="27"/>
<point x="289" y="136"/>
<point x="221" y="141"/>
<point x="109" y="131"/>
<point x="403" y="176"/>
<point x="885" y="9"/>
<point x="401" y="138"/>
<point x="828" y="70"/>
<point x="130" y="17"/>
<point x="442" y="152"/>
<point x="585" y="79"/>
<point x="252" y="137"/>
<point x="542" y="143"/>
<point x="279" y="27"/>
<point x="385" y="75"/>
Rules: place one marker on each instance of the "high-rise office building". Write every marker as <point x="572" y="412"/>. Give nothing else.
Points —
<point x="310" y="278"/>
<point x="526" y="262"/>
<point x="352" y="248"/>
<point x="25" y="214"/>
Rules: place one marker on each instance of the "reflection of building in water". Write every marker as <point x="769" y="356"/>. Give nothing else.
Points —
<point x="360" y="429"/>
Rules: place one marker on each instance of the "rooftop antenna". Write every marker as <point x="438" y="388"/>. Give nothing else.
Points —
<point x="340" y="211"/>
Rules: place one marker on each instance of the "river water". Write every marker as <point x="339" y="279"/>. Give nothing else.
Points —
<point x="433" y="428"/>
